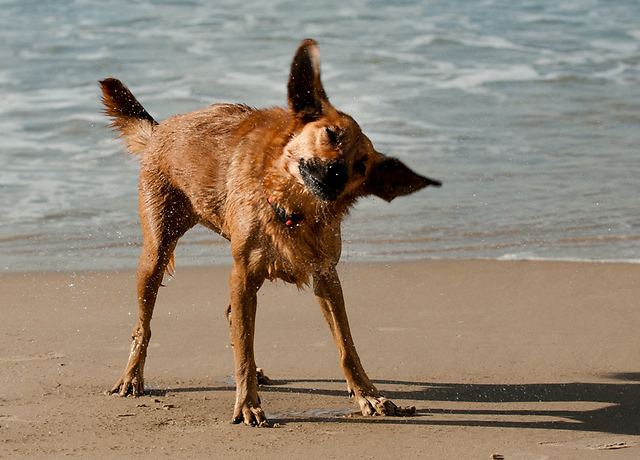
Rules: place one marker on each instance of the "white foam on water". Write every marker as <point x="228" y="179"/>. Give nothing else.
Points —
<point x="497" y="43"/>
<point x="532" y="257"/>
<point x="470" y="79"/>
<point x="626" y="48"/>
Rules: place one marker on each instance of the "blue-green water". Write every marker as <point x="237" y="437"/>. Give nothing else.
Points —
<point x="529" y="112"/>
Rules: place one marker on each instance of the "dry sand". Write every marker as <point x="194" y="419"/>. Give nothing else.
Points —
<point x="529" y="360"/>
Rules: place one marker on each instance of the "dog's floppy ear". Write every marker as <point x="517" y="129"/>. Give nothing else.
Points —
<point x="306" y="94"/>
<point x="391" y="178"/>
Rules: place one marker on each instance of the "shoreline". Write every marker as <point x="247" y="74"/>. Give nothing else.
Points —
<point x="350" y="262"/>
<point x="522" y="358"/>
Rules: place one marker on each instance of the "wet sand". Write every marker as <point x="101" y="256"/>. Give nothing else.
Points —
<point x="528" y="360"/>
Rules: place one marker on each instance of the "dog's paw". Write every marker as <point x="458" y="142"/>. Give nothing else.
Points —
<point x="262" y="377"/>
<point x="377" y="405"/>
<point x="252" y="416"/>
<point x="127" y="385"/>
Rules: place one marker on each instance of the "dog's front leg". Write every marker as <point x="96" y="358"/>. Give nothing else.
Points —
<point x="328" y="291"/>
<point x="244" y="289"/>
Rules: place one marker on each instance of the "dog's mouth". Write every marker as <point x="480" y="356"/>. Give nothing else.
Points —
<point x="325" y="180"/>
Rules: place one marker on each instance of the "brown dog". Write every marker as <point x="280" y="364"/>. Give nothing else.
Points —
<point x="276" y="183"/>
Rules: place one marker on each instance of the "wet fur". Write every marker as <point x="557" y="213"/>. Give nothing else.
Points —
<point x="221" y="167"/>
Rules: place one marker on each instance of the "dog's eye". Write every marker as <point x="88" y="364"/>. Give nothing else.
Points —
<point x="359" y="167"/>
<point x="333" y="135"/>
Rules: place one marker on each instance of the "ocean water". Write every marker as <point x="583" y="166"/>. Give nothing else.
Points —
<point x="528" y="111"/>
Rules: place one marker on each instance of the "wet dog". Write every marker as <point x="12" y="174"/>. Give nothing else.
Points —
<point x="276" y="183"/>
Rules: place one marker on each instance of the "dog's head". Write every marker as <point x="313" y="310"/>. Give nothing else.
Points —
<point x="330" y="155"/>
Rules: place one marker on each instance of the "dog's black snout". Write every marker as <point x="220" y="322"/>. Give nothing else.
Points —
<point x="337" y="175"/>
<point x="326" y="180"/>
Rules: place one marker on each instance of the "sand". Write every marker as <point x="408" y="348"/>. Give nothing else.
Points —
<point x="525" y="359"/>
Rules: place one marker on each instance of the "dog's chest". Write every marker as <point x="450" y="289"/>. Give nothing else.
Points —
<point x="297" y="253"/>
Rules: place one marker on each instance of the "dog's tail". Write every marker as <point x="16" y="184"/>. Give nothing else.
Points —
<point x="133" y="121"/>
<point x="127" y="115"/>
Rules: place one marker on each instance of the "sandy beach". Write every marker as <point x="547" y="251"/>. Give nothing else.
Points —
<point x="525" y="359"/>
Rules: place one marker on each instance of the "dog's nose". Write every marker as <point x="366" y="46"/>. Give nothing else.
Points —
<point x="336" y="175"/>
<point x="326" y="180"/>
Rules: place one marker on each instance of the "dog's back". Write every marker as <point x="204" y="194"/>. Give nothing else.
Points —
<point x="190" y="154"/>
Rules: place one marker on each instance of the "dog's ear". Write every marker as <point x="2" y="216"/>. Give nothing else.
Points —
<point x="306" y="94"/>
<point x="391" y="178"/>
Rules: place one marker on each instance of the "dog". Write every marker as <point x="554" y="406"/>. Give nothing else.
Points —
<point x="276" y="183"/>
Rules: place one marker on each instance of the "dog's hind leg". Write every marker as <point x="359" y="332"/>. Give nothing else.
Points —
<point x="165" y="215"/>
<point x="262" y="377"/>
<point x="328" y="291"/>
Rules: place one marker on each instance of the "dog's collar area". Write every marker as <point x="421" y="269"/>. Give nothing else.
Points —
<point x="290" y="220"/>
